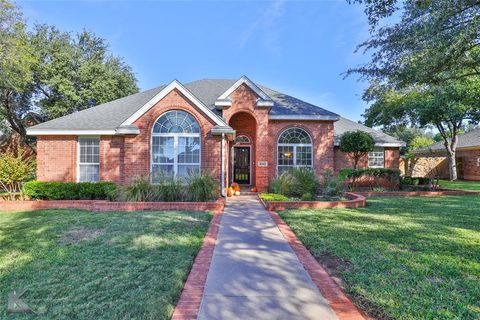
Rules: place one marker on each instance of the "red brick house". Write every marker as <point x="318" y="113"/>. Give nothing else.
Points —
<point x="236" y="130"/>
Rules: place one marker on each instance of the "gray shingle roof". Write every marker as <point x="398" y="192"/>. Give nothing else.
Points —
<point x="105" y="116"/>
<point x="343" y="125"/>
<point x="110" y="115"/>
<point x="467" y="140"/>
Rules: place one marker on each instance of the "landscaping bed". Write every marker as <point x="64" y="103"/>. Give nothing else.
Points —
<point x="400" y="258"/>
<point x="82" y="265"/>
<point x="105" y="205"/>
<point x="273" y="202"/>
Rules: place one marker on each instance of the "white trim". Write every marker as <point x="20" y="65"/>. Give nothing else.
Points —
<point x="383" y="145"/>
<point x="159" y="96"/>
<point x="61" y="132"/>
<point x="249" y="83"/>
<point x="249" y="160"/>
<point x="264" y="103"/>
<point x="99" y="157"/>
<point x="302" y="117"/>
<point x="223" y="103"/>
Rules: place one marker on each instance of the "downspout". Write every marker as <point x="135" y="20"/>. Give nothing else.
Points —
<point x="223" y="165"/>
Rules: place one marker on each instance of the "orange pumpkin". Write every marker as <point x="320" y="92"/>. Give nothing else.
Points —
<point x="254" y="189"/>
<point x="229" y="192"/>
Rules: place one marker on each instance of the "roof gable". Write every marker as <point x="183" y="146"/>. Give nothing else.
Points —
<point x="159" y="96"/>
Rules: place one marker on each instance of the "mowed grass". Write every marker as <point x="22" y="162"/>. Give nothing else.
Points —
<point x="402" y="258"/>
<point x="460" y="185"/>
<point x="86" y="265"/>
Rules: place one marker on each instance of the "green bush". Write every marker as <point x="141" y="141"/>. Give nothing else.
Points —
<point x="69" y="190"/>
<point x="15" y="168"/>
<point x="415" y="181"/>
<point x="139" y="189"/>
<point x="295" y="183"/>
<point x="352" y="175"/>
<point x="172" y="190"/>
<point x="304" y="181"/>
<point x="273" y="197"/>
<point x="282" y="184"/>
<point x="332" y="186"/>
<point x="202" y="188"/>
<point x="307" y="197"/>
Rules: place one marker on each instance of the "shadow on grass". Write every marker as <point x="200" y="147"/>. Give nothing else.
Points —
<point x="112" y="276"/>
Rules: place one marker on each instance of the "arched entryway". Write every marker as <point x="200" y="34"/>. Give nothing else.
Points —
<point x="242" y="151"/>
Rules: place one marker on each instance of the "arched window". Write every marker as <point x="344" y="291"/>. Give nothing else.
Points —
<point x="242" y="139"/>
<point x="294" y="150"/>
<point x="175" y="146"/>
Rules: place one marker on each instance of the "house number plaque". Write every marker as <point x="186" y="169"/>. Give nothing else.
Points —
<point x="262" y="163"/>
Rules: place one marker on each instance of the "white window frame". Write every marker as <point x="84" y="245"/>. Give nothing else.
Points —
<point x="295" y="145"/>
<point x="373" y="155"/>
<point x="79" y="164"/>
<point x="176" y="137"/>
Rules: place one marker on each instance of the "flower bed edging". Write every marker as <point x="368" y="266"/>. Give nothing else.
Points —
<point x="104" y="205"/>
<point x="190" y="300"/>
<point x="337" y="299"/>
<point x="355" y="201"/>
<point x="442" y="192"/>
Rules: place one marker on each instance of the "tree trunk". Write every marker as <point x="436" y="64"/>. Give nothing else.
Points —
<point x="452" y="166"/>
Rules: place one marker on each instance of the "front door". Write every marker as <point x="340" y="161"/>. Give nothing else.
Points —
<point x="241" y="165"/>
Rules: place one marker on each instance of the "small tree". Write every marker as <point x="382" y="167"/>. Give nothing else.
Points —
<point x="14" y="170"/>
<point x="356" y="144"/>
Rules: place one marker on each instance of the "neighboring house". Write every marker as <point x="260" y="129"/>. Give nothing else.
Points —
<point x="236" y="130"/>
<point x="432" y="160"/>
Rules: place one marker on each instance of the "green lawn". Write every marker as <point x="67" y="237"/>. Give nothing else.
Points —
<point x="401" y="258"/>
<point x="461" y="185"/>
<point x="83" y="265"/>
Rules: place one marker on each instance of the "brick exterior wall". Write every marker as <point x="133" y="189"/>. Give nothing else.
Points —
<point x="56" y="158"/>
<point x="122" y="157"/>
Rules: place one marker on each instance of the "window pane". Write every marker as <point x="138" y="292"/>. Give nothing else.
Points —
<point x="176" y="121"/>
<point x="188" y="150"/>
<point x="161" y="171"/>
<point x="89" y="150"/>
<point x="295" y="135"/>
<point x="285" y="156"/>
<point x="304" y="156"/>
<point x="184" y="171"/>
<point x="376" y="158"/>
<point x="89" y="172"/>
<point x="163" y="150"/>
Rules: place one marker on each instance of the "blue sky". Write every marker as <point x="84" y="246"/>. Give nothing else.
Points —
<point x="300" y="48"/>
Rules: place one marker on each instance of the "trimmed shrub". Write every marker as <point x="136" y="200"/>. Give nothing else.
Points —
<point x="202" y="188"/>
<point x="415" y="181"/>
<point x="69" y="190"/>
<point x="392" y="175"/>
<point x="307" y="197"/>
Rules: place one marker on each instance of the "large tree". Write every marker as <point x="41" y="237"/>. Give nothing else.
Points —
<point x="424" y="65"/>
<point x="53" y="73"/>
<point x="447" y="107"/>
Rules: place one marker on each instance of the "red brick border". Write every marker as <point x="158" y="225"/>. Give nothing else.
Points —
<point x="103" y="205"/>
<point x="444" y="192"/>
<point x="355" y="201"/>
<point x="189" y="303"/>
<point x="340" y="303"/>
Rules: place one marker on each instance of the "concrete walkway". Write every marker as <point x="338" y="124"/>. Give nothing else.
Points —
<point x="254" y="272"/>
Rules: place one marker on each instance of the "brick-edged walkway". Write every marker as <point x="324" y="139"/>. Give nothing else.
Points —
<point x="340" y="303"/>
<point x="189" y="303"/>
<point x="255" y="274"/>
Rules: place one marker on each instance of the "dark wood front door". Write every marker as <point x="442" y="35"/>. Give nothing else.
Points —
<point x="241" y="165"/>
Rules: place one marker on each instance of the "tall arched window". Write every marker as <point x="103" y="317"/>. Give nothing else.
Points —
<point x="294" y="150"/>
<point x="175" y="146"/>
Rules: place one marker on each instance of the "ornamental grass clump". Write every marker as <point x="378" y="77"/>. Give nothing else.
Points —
<point x="202" y="188"/>
<point x="295" y="183"/>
